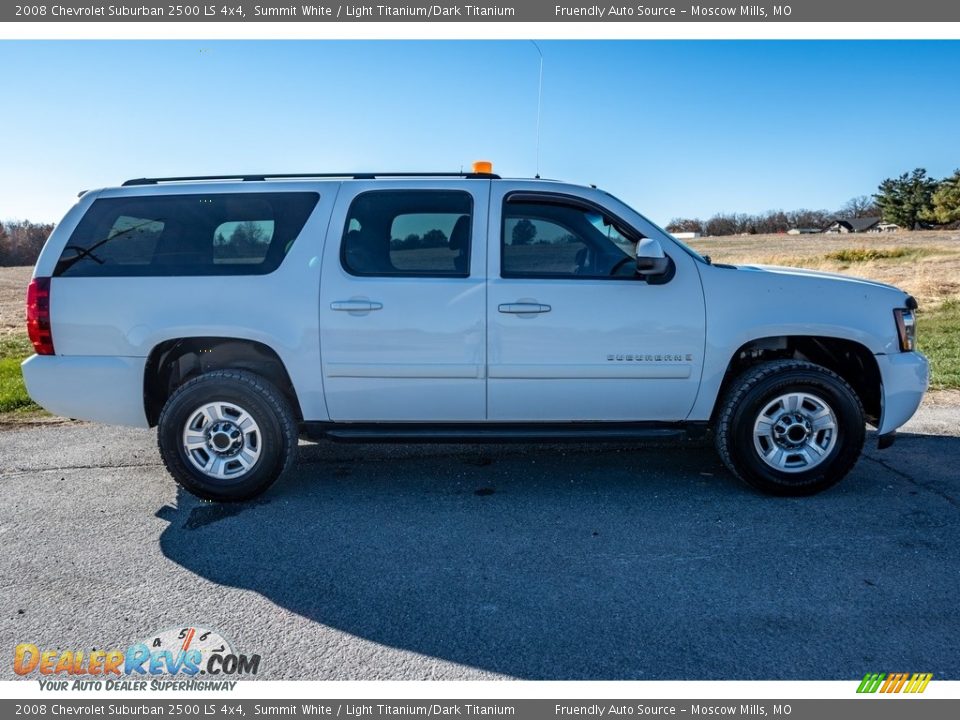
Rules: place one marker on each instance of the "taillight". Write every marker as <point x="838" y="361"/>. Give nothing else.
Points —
<point x="38" y="315"/>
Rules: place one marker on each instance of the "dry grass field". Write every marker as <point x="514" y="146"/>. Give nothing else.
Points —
<point x="13" y="292"/>
<point x="925" y="264"/>
<point x="14" y="345"/>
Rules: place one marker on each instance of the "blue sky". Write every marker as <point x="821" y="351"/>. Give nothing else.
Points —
<point x="673" y="128"/>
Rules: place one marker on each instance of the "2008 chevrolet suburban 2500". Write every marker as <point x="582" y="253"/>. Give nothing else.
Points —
<point x="238" y="314"/>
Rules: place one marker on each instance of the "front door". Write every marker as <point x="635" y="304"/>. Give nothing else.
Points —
<point x="574" y="334"/>
<point x="402" y="308"/>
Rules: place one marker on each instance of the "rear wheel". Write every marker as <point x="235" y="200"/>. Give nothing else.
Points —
<point x="227" y="435"/>
<point x="790" y="427"/>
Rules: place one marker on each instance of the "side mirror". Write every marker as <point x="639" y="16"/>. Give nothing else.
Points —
<point x="651" y="260"/>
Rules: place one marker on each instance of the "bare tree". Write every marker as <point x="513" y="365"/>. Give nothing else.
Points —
<point x="810" y="218"/>
<point x="21" y="242"/>
<point x="694" y="225"/>
<point x="860" y="206"/>
<point x="721" y="224"/>
<point x="4" y="247"/>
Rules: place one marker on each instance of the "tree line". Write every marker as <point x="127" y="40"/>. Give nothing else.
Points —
<point x="913" y="200"/>
<point x="430" y="239"/>
<point x="248" y="240"/>
<point x="21" y="241"/>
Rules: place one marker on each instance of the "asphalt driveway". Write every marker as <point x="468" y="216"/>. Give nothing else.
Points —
<point x="470" y="561"/>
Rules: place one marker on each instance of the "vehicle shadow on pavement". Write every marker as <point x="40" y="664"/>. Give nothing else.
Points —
<point x="597" y="562"/>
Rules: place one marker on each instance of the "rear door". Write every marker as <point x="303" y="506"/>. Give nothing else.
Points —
<point x="402" y="302"/>
<point x="574" y="334"/>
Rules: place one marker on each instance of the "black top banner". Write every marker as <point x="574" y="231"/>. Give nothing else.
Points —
<point x="897" y="11"/>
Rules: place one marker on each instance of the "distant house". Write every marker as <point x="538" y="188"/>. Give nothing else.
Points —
<point x="686" y="235"/>
<point x="888" y="227"/>
<point x="853" y="225"/>
<point x="804" y="231"/>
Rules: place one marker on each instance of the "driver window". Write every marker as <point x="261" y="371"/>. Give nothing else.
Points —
<point x="547" y="239"/>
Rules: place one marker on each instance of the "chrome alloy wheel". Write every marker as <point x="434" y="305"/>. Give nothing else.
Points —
<point x="222" y="440"/>
<point x="795" y="432"/>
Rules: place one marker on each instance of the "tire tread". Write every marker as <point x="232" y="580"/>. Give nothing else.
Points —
<point x="268" y="393"/>
<point x="743" y="384"/>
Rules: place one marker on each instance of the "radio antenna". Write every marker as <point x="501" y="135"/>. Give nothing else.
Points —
<point x="539" y="104"/>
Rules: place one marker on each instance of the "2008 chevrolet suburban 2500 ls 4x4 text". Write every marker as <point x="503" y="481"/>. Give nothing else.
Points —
<point x="238" y="314"/>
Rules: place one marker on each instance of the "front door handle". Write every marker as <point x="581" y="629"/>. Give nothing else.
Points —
<point x="522" y="308"/>
<point x="355" y="306"/>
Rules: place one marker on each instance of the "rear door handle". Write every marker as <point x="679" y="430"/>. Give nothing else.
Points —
<point x="355" y="305"/>
<point x="522" y="308"/>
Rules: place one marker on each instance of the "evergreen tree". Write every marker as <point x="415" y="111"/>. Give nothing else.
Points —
<point x="945" y="202"/>
<point x="904" y="200"/>
<point x="434" y="238"/>
<point x="524" y="232"/>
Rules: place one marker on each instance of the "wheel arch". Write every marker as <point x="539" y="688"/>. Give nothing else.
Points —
<point x="173" y="362"/>
<point x="851" y="360"/>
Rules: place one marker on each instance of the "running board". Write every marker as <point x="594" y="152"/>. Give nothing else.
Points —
<point x="459" y="433"/>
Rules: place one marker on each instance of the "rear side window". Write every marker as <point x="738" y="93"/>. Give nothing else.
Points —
<point x="215" y="234"/>
<point x="416" y="233"/>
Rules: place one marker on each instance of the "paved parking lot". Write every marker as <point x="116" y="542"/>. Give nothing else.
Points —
<point x="469" y="561"/>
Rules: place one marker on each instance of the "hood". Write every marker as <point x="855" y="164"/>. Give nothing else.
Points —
<point x="802" y="272"/>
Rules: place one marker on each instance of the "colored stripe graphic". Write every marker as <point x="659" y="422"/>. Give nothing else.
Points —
<point x="918" y="683"/>
<point x="890" y="682"/>
<point x="894" y="682"/>
<point x="870" y="682"/>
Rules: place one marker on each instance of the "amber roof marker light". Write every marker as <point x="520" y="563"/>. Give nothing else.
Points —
<point x="483" y="167"/>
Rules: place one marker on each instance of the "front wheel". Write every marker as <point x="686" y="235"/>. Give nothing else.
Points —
<point x="790" y="427"/>
<point x="227" y="435"/>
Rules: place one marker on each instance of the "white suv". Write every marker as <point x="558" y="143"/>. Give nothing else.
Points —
<point x="239" y="313"/>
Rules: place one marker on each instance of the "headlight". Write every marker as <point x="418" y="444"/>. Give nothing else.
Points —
<point x="906" y="328"/>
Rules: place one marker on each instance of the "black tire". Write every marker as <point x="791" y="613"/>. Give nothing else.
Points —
<point x="749" y="400"/>
<point x="258" y="453"/>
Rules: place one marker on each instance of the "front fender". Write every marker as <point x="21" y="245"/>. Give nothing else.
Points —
<point x="744" y="305"/>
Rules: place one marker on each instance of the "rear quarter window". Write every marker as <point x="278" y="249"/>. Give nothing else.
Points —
<point x="209" y="234"/>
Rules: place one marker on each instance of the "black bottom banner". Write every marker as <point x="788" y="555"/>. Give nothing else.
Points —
<point x="873" y="707"/>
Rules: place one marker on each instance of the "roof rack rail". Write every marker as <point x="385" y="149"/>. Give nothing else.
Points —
<point x="301" y="176"/>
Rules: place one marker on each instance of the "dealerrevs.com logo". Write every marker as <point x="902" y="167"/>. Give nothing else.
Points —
<point x="173" y="659"/>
